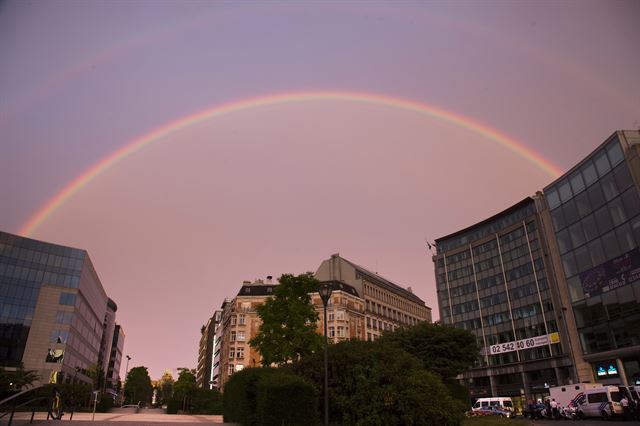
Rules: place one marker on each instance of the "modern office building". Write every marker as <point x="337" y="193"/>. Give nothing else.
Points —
<point x="387" y="305"/>
<point x="115" y="360"/>
<point x="550" y="287"/>
<point x="52" y="309"/>
<point x="493" y="279"/>
<point x="108" y="327"/>
<point x="592" y="222"/>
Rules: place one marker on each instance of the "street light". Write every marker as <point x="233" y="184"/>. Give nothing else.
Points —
<point x="125" y="378"/>
<point x="325" y="294"/>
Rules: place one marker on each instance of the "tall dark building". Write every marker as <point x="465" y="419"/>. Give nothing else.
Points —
<point x="550" y="287"/>
<point x="52" y="309"/>
<point x="493" y="279"/>
<point x="115" y="359"/>
<point x="592" y="218"/>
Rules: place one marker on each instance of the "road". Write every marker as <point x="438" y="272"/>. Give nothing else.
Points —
<point x="122" y="419"/>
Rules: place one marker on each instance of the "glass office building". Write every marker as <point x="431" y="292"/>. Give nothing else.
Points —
<point x="52" y="308"/>
<point x="551" y="286"/>
<point x="492" y="280"/>
<point x="594" y="231"/>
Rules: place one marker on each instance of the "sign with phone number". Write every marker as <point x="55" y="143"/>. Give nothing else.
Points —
<point x="518" y="345"/>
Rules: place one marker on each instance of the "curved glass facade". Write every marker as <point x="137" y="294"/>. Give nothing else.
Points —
<point x="595" y="212"/>
<point x="25" y="265"/>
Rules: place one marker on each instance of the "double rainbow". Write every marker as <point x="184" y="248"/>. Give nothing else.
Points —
<point x="286" y="98"/>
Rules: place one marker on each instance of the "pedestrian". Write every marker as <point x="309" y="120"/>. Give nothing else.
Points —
<point x="625" y="408"/>
<point x="554" y="408"/>
<point x="532" y="409"/>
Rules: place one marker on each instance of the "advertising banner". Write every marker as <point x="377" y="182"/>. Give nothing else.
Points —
<point x="617" y="272"/>
<point x="518" y="345"/>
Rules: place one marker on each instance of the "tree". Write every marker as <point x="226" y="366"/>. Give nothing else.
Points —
<point x="17" y="379"/>
<point x="288" y="330"/>
<point x="96" y="373"/>
<point x="447" y="351"/>
<point x="138" y="387"/>
<point x="374" y="384"/>
<point x="185" y="387"/>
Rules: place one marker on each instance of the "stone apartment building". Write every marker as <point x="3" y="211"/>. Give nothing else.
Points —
<point x="362" y="306"/>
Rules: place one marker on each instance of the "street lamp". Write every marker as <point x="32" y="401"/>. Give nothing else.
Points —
<point x="125" y="378"/>
<point x="325" y="294"/>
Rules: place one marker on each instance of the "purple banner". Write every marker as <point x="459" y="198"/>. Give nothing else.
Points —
<point x="612" y="274"/>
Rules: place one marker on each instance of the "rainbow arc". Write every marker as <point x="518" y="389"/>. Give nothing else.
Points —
<point x="285" y="98"/>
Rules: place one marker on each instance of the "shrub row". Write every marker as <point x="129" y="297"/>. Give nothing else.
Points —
<point x="269" y="397"/>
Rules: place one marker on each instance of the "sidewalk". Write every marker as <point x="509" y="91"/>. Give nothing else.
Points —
<point x="122" y="419"/>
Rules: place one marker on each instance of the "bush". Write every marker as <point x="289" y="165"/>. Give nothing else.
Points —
<point x="105" y="403"/>
<point x="375" y="384"/>
<point x="173" y="405"/>
<point x="206" y="401"/>
<point x="285" y="399"/>
<point x="241" y="397"/>
<point x="239" y="400"/>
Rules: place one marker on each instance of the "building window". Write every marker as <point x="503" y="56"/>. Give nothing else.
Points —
<point x="341" y="332"/>
<point x="240" y="336"/>
<point x="231" y="352"/>
<point x="239" y="367"/>
<point x="63" y="317"/>
<point x="68" y="299"/>
<point x="232" y="336"/>
<point x="330" y="316"/>
<point x="240" y="353"/>
<point x="332" y="332"/>
<point x="369" y="336"/>
<point x="59" y="336"/>
<point x="233" y="320"/>
<point x="340" y="315"/>
<point x="231" y="369"/>
<point x="241" y="319"/>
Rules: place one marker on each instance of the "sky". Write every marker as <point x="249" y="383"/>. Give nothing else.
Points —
<point x="216" y="142"/>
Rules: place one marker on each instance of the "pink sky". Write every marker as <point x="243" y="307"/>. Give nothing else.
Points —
<point x="176" y="227"/>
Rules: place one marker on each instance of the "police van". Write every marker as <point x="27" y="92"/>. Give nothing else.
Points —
<point x="601" y="402"/>
<point x="503" y="402"/>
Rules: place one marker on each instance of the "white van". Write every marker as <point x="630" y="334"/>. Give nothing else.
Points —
<point x="570" y="396"/>
<point x="503" y="402"/>
<point x="601" y="402"/>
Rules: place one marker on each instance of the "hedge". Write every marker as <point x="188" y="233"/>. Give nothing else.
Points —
<point x="268" y="396"/>
<point x="284" y="399"/>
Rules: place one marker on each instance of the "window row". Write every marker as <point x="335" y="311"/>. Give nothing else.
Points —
<point x="622" y="239"/>
<point x="40" y="258"/>
<point x="587" y="174"/>
<point x="617" y="208"/>
<point x="38" y="276"/>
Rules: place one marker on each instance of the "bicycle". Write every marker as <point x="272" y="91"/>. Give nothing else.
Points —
<point x="55" y="408"/>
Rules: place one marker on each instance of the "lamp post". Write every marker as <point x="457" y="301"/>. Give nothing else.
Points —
<point x="125" y="378"/>
<point x="325" y="294"/>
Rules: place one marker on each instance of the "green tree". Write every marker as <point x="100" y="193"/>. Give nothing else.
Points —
<point x="96" y="373"/>
<point x="185" y="387"/>
<point x="138" y="386"/>
<point x="288" y="330"/>
<point x="17" y="379"/>
<point x="374" y="384"/>
<point x="445" y="350"/>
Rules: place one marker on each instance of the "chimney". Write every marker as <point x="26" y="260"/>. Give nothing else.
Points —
<point x="410" y="290"/>
<point x="269" y="278"/>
